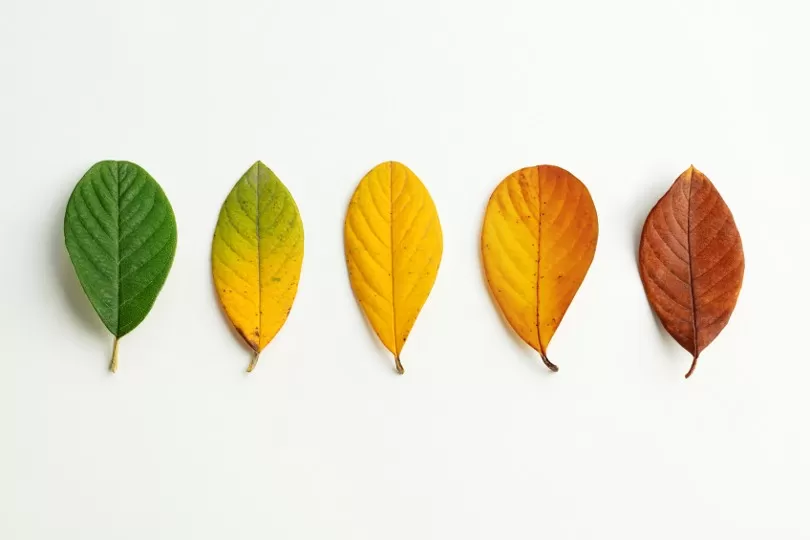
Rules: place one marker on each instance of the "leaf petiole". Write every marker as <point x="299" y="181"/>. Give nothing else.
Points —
<point x="253" y="361"/>
<point x="548" y="363"/>
<point x="114" y="361"/>
<point x="692" y="367"/>
<point x="400" y="369"/>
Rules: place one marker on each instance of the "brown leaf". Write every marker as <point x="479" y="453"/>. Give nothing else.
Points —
<point x="691" y="262"/>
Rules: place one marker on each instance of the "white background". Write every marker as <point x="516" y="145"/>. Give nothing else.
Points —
<point x="477" y="439"/>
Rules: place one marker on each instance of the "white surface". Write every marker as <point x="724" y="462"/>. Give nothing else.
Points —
<point x="477" y="440"/>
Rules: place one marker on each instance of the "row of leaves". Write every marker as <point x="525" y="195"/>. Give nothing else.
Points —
<point x="537" y="244"/>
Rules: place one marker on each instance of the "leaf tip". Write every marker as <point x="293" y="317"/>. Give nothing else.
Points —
<point x="400" y="369"/>
<point x="692" y="171"/>
<point x="549" y="364"/>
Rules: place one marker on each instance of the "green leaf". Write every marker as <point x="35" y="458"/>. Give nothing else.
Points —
<point x="121" y="235"/>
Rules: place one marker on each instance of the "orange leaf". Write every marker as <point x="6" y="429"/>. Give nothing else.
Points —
<point x="538" y="241"/>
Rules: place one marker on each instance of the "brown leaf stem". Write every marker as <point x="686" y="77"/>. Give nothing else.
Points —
<point x="692" y="367"/>
<point x="548" y="363"/>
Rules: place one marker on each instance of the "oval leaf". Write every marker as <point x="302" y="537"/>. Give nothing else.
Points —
<point x="691" y="262"/>
<point x="121" y="235"/>
<point x="537" y="243"/>
<point x="393" y="243"/>
<point x="257" y="253"/>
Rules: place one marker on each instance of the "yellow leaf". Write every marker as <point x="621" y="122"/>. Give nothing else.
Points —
<point x="537" y="243"/>
<point x="257" y="253"/>
<point x="393" y="243"/>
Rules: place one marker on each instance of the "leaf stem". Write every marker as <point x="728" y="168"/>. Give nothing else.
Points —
<point x="114" y="361"/>
<point x="548" y="363"/>
<point x="692" y="367"/>
<point x="253" y="361"/>
<point x="400" y="369"/>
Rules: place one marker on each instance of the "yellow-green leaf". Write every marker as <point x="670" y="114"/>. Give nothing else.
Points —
<point x="257" y="253"/>
<point x="393" y="243"/>
<point x="538" y="241"/>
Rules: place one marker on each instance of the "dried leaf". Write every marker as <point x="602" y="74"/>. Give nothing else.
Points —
<point x="256" y="257"/>
<point x="537" y="243"/>
<point x="691" y="262"/>
<point x="121" y="235"/>
<point x="393" y="243"/>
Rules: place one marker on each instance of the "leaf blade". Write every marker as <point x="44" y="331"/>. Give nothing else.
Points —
<point x="537" y="243"/>
<point x="257" y="255"/>
<point x="691" y="262"/>
<point x="393" y="245"/>
<point x="116" y="258"/>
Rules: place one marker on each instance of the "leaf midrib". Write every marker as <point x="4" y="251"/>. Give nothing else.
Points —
<point x="539" y="255"/>
<point x="690" y="257"/>
<point x="259" y="252"/>
<point x="393" y="268"/>
<point x="117" y="184"/>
